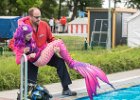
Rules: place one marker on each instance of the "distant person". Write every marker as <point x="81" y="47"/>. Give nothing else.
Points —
<point x="51" y="23"/>
<point x="81" y="14"/>
<point x="56" y="25"/>
<point x="63" y="22"/>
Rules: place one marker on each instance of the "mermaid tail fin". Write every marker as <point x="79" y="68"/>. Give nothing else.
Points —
<point x="102" y="76"/>
<point x="89" y="72"/>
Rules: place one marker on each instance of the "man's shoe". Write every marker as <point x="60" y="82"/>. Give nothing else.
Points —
<point x="69" y="93"/>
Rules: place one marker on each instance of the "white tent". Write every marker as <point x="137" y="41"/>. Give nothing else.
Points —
<point x="78" y="26"/>
<point x="133" y="28"/>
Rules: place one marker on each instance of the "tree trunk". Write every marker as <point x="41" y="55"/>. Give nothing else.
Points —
<point x="59" y="12"/>
<point x="74" y="10"/>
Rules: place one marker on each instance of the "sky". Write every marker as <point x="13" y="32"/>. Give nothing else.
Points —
<point x="106" y="4"/>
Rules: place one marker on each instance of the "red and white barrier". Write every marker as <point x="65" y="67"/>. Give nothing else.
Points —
<point x="78" y="26"/>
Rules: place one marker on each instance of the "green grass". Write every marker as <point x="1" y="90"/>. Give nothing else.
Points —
<point x="73" y="42"/>
<point x="9" y="73"/>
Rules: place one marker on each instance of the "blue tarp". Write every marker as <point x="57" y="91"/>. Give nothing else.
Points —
<point x="8" y="25"/>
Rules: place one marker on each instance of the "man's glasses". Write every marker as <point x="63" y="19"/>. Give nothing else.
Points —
<point x="37" y="17"/>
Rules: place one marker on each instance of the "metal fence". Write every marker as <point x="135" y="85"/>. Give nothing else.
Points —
<point x="71" y="45"/>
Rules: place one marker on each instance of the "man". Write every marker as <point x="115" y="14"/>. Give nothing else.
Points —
<point x="43" y="35"/>
<point x="63" y="22"/>
<point x="51" y="23"/>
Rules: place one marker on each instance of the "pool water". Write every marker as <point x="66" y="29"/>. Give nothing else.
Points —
<point x="131" y="93"/>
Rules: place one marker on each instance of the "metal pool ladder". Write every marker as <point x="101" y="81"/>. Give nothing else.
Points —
<point x="23" y="78"/>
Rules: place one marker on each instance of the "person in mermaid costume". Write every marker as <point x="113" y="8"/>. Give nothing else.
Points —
<point x="41" y="56"/>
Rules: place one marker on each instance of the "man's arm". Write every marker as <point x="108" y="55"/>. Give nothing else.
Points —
<point x="50" y="36"/>
<point x="18" y="54"/>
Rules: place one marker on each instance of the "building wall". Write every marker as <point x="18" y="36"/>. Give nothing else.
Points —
<point x="117" y="37"/>
<point x="96" y="19"/>
<point x="134" y="32"/>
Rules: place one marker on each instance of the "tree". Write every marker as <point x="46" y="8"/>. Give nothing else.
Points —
<point x="59" y="13"/>
<point x="17" y="7"/>
<point x="82" y="4"/>
<point x="115" y="2"/>
<point x="48" y="7"/>
<point x="133" y="4"/>
<point x="24" y="5"/>
<point x="60" y="8"/>
<point x="8" y="7"/>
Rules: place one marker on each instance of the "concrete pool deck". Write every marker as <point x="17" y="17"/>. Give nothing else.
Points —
<point x="79" y="85"/>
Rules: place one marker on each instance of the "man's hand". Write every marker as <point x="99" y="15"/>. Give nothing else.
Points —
<point x="27" y="49"/>
<point x="32" y="55"/>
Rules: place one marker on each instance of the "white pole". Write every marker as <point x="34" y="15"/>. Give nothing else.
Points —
<point x="23" y="78"/>
<point x="109" y="26"/>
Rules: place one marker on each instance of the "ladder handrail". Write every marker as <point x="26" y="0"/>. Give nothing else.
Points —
<point x="23" y="78"/>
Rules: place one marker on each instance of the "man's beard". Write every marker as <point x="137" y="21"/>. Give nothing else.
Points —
<point x="36" y="23"/>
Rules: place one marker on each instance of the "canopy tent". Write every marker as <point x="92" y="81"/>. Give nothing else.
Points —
<point x="8" y="25"/>
<point x="78" y="26"/>
<point x="134" y="30"/>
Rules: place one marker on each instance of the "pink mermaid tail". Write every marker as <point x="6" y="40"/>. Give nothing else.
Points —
<point x="89" y="72"/>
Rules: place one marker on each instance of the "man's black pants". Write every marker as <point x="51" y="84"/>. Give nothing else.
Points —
<point x="56" y="62"/>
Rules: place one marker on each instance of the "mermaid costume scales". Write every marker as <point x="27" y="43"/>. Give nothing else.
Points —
<point x="89" y="72"/>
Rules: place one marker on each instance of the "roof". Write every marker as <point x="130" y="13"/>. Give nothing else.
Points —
<point x="133" y="16"/>
<point x="79" y="21"/>
<point x="8" y="17"/>
<point x="123" y="10"/>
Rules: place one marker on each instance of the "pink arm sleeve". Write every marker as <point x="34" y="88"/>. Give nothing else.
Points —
<point x="18" y="53"/>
